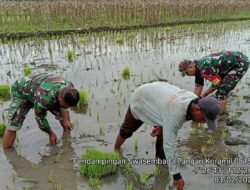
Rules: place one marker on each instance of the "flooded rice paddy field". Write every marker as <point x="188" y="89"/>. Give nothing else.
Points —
<point x="151" y="55"/>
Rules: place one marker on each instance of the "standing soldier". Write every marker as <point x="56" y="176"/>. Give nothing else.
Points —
<point x="43" y="92"/>
<point x="224" y="70"/>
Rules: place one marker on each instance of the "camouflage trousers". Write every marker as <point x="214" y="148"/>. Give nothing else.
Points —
<point x="231" y="79"/>
<point x="19" y="107"/>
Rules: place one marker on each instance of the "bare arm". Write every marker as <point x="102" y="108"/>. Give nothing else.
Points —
<point x="118" y="143"/>
<point x="198" y="89"/>
<point x="65" y="119"/>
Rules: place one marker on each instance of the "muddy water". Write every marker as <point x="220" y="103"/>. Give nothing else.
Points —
<point x="97" y="67"/>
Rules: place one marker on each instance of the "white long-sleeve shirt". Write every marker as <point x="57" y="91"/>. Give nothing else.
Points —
<point x="162" y="104"/>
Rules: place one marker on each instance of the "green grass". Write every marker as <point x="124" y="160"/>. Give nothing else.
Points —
<point x="4" y="91"/>
<point x="2" y="128"/>
<point x="27" y="70"/>
<point x="98" y="170"/>
<point x="126" y="73"/>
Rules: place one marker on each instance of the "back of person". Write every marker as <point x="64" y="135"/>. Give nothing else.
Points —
<point x="221" y="63"/>
<point x="155" y="102"/>
<point x="39" y="87"/>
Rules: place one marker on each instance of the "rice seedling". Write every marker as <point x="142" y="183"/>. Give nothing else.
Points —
<point x="70" y="56"/>
<point x="183" y="155"/>
<point x="58" y="157"/>
<point x="84" y="40"/>
<point x="19" y="151"/>
<point x="203" y="150"/>
<point x="119" y="41"/>
<point x="4" y="91"/>
<point x="193" y="131"/>
<point x="33" y="165"/>
<point x="57" y="187"/>
<point x="13" y="176"/>
<point x="51" y="177"/>
<point x="2" y="129"/>
<point x="98" y="116"/>
<point x="136" y="145"/>
<point x="242" y="128"/>
<point x="129" y="186"/>
<point x="17" y="137"/>
<point x="103" y="163"/>
<point x="157" y="171"/>
<point x="225" y="134"/>
<point x="27" y="70"/>
<point x="167" y="29"/>
<point x="126" y="73"/>
<point x="210" y="140"/>
<point x="101" y="131"/>
<point x="83" y="101"/>
<point x="144" y="177"/>
<point x="94" y="183"/>
<point x="203" y="126"/>
<point x="226" y="156"/>
<point x="27" y="187"/>
<point x="126" y="168"/>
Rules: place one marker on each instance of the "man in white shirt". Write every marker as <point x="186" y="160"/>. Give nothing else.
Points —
<point x="165" y="105"/>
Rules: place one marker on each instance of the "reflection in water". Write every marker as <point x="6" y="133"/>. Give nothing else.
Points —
<point x="54" y="170"/>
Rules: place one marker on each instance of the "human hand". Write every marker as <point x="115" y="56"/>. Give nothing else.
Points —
<point x="67" y="125"/>
<point x="52" y="138"/>
<point x="156" y="131"/>
<point x="179" y="184"/>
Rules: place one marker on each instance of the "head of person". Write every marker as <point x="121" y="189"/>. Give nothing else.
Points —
<point x="187" y="67"/>
<point x="205" y="110"/>
<point x="68" y="97"/>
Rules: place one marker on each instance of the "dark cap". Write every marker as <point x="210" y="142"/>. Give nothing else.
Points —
<point x="183" y="66"/>
<point x="211" y="108"/>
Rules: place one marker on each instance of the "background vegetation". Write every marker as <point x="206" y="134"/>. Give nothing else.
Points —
<point x="20" y="16"/>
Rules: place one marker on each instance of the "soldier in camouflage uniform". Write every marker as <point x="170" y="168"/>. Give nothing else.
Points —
<point x="44" y="93"/>
<point x="224" y="70"/>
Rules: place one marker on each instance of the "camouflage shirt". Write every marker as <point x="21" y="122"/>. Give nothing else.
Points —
<point x="41" y="91"/>
<point x="218" y="64"/>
